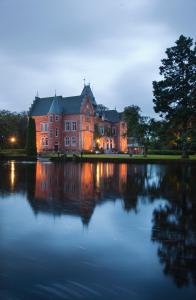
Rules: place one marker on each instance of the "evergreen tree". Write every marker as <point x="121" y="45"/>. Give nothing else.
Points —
<point x="175" y="94"/>
<point x="31" y="149"/>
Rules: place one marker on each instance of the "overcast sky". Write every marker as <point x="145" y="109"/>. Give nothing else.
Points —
<point x="117" y="45"/>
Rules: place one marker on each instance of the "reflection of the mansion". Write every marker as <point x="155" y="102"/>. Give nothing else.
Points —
<point x="76" y="188"/>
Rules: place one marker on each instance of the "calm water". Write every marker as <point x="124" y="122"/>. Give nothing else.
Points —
<point x="97" y="231"/>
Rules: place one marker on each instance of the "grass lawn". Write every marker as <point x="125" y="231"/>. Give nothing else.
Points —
<point x="135" y="157"/>
<point x="21" y="153"/>
<point x="13" y="152"/>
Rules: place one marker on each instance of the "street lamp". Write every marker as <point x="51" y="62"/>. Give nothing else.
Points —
<point x="12" y="139"/>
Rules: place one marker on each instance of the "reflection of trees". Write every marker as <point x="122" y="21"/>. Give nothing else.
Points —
<point x="76" y="189"/>
<point x="135" y="186"/>
<point x="174" y="225"/>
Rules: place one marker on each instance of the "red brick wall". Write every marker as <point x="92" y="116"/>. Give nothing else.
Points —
<point x="87" y="136"/>
<point x="84" y="132"/>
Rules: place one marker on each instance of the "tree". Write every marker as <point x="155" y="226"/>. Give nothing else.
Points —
<point x="132" y="117"/>
<point x="175" y="95"/>
<point x="137" y="126"/>
<point x="31" y="149"/>
<point x="12" y="124"/>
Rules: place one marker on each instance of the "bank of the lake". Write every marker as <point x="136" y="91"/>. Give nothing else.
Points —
<point x="20" y="155"/>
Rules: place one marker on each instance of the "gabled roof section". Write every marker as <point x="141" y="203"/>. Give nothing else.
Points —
<point x="72" y="105"/>
<point x="40" y="106"/>
<point x="56" y="106"/>
<point x="112" y="116"/>
<point x="88" y="92"/>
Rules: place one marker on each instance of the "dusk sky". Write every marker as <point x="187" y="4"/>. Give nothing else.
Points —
<point x="117" y="45"/>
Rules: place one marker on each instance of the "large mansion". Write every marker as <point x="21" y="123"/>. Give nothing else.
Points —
<point x="77" y="123"/>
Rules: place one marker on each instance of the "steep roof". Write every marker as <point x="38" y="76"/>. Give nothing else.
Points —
<point x="56" y="106"/>
<point x="59" y="104"/>
<point x="112" y="116"/>
<point x="88" y="92"/>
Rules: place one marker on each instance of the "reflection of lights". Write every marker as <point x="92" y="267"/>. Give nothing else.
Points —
<point x="98" y="175"/>
<point x="12" y="174"/>
<point x="98" y="141"/>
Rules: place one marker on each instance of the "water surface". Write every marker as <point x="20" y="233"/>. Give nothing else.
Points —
<point x="97" y="231"/>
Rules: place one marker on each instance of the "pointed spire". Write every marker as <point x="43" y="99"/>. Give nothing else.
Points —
<point x="84" y="82"/>
<point x="37" y="94"/>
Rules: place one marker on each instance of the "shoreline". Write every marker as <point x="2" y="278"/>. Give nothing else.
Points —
<point x="91" y="159"/>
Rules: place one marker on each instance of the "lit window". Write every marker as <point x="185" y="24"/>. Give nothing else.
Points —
<point x="67" y="141"/>
<point x="67" y="126"/>
<point x="73" y="126"/>
<point x="73" y="141"/>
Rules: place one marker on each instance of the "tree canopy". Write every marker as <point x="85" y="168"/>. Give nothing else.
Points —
<point x="175" y="94"/>
<point x="12" y="124"/>
<point x="31" y="138"/>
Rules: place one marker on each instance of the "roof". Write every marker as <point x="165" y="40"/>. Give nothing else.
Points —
<point x="88" y="92"/>
<point x="112" y="116"/>
<point x="57" y="104"/>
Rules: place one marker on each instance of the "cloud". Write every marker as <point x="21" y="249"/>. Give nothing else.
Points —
<point x="117" y="45"/>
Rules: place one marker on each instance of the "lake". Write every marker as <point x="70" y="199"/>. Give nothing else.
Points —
<point x="97" y="231"/>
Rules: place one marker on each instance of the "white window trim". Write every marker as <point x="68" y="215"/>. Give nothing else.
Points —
<point x="73" y="144"/>
<point x="72" y="125"/>
<point x="66" y="126"/>
<point x="67" y="145"/>
<point x="43" y="126"/>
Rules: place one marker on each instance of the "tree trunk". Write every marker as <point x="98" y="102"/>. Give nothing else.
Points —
<point x="185" y="154"/>
<point x="145" y="151"/>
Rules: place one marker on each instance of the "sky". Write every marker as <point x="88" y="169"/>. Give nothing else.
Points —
<point x="116" y="45"/>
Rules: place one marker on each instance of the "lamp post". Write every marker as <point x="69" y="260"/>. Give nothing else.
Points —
<point x="12" y="140"/>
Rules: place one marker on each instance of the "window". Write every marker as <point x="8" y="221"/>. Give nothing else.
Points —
<point x="74" y="126"/>
<point x="56" y="132"/>
<point x="51" y="133"/>
<point x="101" y="130"/>
<point x="87" y="127"/>
<point x="73" y="141"/>
<point x="44" y="126"/>
<point x="67" y="126"/>
<point x="44" y="141"/>
<point x="56" y="118"/>
<point x="113" y="130"/>
<point x="67" y="141"/>
<point x="87" y="114"/>
<point x="51" y="118"/>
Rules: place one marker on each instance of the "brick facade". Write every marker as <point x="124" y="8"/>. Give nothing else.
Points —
<point x="72" y="131"/>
